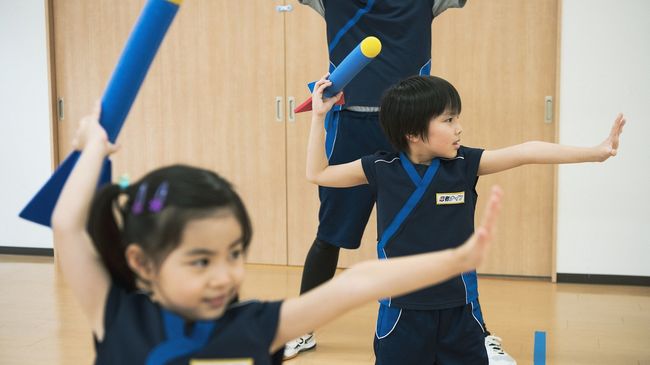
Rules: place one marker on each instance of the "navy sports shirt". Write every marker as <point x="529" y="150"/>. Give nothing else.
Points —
<point x="443" y="218"/>
<point x="404" y="28"/>
<point x="136" y="327"/>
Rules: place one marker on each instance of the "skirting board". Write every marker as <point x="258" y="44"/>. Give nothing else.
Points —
<point x="29" y="251"/>
<point x="603" y="279"/>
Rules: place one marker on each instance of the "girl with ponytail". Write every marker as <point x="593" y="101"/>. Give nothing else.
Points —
<point x="157" y="266"/>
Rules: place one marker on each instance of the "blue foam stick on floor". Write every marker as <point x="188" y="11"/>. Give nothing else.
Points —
<point x="120" y="93"/>
<point x="539" y="354"/>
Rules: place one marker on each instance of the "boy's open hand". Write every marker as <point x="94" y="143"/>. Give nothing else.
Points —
<point x="319" y="105"/>
<point x="90" y="131"/>
<point x="609" y="147"/>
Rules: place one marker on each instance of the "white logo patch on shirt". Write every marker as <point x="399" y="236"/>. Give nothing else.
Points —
<point x="222" y="362"/>
<point x="450" y="198"/>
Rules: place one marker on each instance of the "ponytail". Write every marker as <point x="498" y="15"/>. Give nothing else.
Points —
<point x="107" y="235"/>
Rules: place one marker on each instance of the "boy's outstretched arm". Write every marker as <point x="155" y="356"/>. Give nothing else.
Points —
<point x="536" y="152"/>
<point x="372" y="280"/>
<point x="77" y="259"/>
<point x="318" y="169"/>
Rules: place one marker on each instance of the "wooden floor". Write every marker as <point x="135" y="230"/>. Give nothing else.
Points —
<point x="585" y="324"/>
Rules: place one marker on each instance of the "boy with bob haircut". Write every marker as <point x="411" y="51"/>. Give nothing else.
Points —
<point x="426" y="199"/>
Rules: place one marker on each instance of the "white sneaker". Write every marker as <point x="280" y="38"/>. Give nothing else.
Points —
<point x="300" y="344"/>
<point x="496" y="355"/>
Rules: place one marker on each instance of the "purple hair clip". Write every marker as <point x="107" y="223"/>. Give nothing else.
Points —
<point x="156" y="204"/>
<point x="138" y="204"/>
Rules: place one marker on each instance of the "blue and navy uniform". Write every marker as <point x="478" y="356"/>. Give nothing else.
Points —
<point x="402" y="26"/>
<point x="353" y="130"/>
<point x="427" y="208"/>
<point x="139" y="331"/>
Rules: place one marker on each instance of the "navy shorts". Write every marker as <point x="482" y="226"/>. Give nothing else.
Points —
<point x="344" y="213"/>
<point x="427" y="337"/>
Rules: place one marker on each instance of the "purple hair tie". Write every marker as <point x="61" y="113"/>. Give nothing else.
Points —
<point x="138" y="204"/>
<point x="156" y="204"/>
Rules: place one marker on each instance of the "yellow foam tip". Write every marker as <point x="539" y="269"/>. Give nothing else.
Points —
<point x="370" y="47"/>
<point x="177" y="2"/>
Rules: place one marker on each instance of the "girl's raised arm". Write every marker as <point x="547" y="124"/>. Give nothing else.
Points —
<point x="371" y="280"/>
<point x="77" y="259"/>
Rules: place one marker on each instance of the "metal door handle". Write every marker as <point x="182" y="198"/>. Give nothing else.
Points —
<point x="548" y="109"/>
<point x="283" y="8"/>
<point x="60" y="104"/>
<point x="278" y="108"/>
<point x="292" y="106"/>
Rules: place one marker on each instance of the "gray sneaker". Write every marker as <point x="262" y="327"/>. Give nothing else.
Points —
<point x="300" y="344"/>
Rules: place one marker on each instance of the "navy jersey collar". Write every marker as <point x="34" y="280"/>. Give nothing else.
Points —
<point x="177" y="344"/>
<point x="413" y="174"/>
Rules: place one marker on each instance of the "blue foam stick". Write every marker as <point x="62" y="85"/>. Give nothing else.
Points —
<point x="123" y="86"/>
<point x="351" y="65"/>
<point x="539" y="351"/>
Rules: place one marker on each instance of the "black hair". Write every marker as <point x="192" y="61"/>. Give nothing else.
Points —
<point x="192" y="193"/>
<point x="408" y="107"/>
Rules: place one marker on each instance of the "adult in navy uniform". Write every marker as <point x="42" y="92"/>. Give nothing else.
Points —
<point x="353" y="131"/>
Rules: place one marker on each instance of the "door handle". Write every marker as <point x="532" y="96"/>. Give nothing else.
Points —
<point x="284" y="8"/>
<point x="60" y="104"/>
<point x="548" y="110"/>
<point x="292" y="106"/>
<point x="278" y="109"/>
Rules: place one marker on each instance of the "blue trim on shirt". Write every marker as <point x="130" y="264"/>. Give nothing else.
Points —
<point x="426" y="69"/>
<point x="177" y="343"/>
<point x="471" y="285"/>
<point x="422" y="184"/>
<point x="331" y="131"/>
<point x="350" y="24"/>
